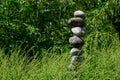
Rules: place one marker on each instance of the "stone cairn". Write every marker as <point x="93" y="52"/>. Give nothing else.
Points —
<point x="77" y="23"/>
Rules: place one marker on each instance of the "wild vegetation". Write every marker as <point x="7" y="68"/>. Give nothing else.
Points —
<point x="39" y="28"/>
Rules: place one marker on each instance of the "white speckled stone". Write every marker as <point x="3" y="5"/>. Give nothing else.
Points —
<point x="79" y="13"/>
<point x="78" y="31"/>
<point x="76" y="22"/>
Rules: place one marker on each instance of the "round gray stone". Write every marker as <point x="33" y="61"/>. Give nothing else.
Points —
<point x="78" y="31"/>
<point x="79" y="13"/>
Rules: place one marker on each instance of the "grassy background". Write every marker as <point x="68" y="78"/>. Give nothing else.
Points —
<point x="39" y="28"/>
<point x="99" y="64"/>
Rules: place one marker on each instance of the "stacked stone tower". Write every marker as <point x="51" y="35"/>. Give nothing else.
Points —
<point x="77" y="23"/>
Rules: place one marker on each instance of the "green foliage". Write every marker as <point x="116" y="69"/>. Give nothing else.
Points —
<point x="43" y="23"/>
<point x="37" y="24"/>
<point x="34" y="23"/>
<point x="113" y="11"/>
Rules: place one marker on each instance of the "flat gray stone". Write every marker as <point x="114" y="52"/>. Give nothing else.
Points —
<point x="79" y="13"/>
<point x="76" y="22"/>
<point x="78" y="31"/>
<point x="76" y="41"/>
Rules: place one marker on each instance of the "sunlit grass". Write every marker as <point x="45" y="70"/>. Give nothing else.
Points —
<point x="99" y="64"/>
<point x="43" y="23"/>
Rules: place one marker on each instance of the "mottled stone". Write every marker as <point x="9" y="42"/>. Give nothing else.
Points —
<point x="75" y="51"/>
<point x="78" y="31"/>
<point x="76" y="22"/>
<point x="71" y="67"/>
<point x="79" y="13"/>
<point x="76" y="59"/>
<point x="76" y="41"/>
<point x="80" y="59"/>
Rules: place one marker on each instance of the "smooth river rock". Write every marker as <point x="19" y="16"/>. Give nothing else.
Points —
<point x="76" y="41"/>
<point x="79" y="13"/>
<point x="78" y="31"/>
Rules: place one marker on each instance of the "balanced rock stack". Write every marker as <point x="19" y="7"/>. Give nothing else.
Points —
<point x="77" y="23"/>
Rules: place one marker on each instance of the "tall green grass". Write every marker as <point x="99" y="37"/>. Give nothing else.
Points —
<point x="99" y="64"/>
<point x="101" y="49"/>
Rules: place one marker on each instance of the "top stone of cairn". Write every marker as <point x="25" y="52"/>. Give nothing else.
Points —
<point x="79" y="13"/>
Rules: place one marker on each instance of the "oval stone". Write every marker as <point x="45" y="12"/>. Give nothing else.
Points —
<point x="76" y="22"/>
<point x="79" y="13"/>
<point x="75" y="51"/>
<point x="76" y="41"/>
<point x="78" y="31"/>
